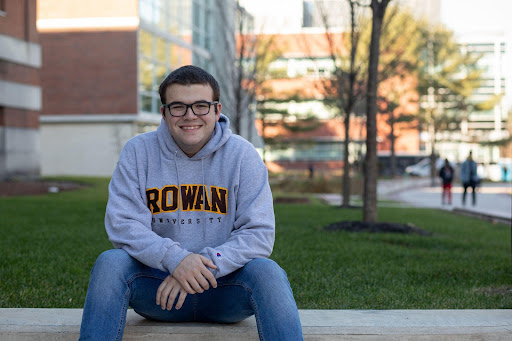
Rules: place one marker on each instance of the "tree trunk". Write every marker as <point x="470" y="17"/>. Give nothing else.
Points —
<point x="346" y="165"/>
<point x="349" y="106"/>
<point x="370" y="176"/>
<point x="433" y="169"/>
<point x="392" y="138"/>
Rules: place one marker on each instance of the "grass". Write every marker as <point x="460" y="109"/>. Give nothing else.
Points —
<point x="49" y="243"/>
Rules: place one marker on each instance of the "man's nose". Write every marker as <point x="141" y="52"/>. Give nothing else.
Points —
<point x="189" y="114"/>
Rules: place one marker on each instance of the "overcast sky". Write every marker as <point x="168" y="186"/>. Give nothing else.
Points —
<point x="471" y="15"/>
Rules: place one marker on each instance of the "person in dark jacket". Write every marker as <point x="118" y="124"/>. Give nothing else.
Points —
<point x="446" y="174"/>
<point x="469" y="178"/>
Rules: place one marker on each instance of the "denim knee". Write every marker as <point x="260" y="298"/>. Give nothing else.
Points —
<point x="266" y="272"/>
<point x="112" y="262"/>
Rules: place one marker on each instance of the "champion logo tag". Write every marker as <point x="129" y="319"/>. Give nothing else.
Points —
<point x="218" y="254"/>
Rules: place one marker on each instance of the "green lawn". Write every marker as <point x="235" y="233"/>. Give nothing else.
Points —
<point x="49" y="243"/>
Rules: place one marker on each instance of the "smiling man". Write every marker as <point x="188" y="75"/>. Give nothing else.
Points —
<point x="191" y="218"/>
<point x="190" y="129"/>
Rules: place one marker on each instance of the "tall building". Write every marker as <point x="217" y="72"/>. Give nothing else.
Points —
<point x="489" y="36"/>
<point x="484" y="127"/>
<point x="20" y="89"/>
<point x="103" y="61"/>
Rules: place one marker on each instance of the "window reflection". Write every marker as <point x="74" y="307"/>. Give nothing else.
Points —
<point x="145" y="74"/>
<point x="164" y="23"/>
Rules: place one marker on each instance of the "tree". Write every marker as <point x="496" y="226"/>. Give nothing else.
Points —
<point x="346" y="86"/>
<point x="399" y="61"/>
<point x="246" y="63"/>
<point x="378" y="8"/>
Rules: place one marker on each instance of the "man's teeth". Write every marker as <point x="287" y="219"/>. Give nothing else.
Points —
<point x="190" y="128"/>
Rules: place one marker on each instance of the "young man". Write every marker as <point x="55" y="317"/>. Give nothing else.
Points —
<point x="191" y="218"/>
<point x="469" y="178"/>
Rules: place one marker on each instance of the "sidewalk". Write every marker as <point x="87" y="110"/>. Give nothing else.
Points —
<point x="493" y="200"/>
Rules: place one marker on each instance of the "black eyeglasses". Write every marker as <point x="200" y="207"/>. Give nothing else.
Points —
<point x="199" y="108"/>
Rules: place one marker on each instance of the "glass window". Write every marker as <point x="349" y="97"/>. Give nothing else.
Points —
<point x="163" y="22"/>
<point x="186" y="57"/>
<point x="160" y="74"/>
<point x="156" y="105"/>
<point x="145" y="74"/>
<point x="307" y="13"/>
<point x="160" y="15"/>
<point x="160" y="50"/>
<point x="145" y="44"/>
<point x="173" y="54"/>
<point x="173" y="24"/>
<point x="145" y="10"/>
<point x="186" y="14"/>
<point x="145" y="103"/>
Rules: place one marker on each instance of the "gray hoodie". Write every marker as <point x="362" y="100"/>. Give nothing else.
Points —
<point x="164" y="205"/>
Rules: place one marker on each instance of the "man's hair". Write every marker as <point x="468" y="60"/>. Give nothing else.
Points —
<point x="189" y="75"/>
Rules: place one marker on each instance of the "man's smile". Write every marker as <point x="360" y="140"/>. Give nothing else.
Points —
<point x="190" y="127"/>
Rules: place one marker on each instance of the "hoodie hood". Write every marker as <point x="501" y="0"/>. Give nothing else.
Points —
<point x="221" y="134"/>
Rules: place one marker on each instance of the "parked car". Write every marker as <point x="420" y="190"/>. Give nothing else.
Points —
<point x="422" y="168"/>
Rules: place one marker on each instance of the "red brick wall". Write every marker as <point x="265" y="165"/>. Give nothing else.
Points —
<point x="20" y="20"/>
<point x="19" y="118"/>
<point x="19" y="73"/>
<point x="90" y="72"/>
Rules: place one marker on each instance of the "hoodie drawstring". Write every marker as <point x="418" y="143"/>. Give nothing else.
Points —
<point x="204" y="201"/>
<point x="179" y="188"/>
<point x="203" y="189"/>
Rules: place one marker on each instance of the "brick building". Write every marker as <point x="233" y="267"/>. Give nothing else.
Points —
<point x="295" y="86"/>
<point x="20" y="89"/>
<point x="103" y="61"/>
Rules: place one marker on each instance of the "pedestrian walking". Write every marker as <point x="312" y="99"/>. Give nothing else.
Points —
<point x="469" y="178"/>
<point x="446" y="175"/>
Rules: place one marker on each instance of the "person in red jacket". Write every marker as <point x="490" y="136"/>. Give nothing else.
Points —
<point x="446" y="174"/>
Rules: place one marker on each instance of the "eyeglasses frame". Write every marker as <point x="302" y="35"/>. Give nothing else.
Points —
<point x="189" y="106"/>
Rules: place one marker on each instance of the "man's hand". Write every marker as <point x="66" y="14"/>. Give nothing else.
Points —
<point x="167" y="293"/>
<point x="193" y="274"/>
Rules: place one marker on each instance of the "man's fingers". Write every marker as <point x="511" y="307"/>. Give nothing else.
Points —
<point x="196" y="286"/>
<point x="187" y="287"/>
<point x="161" y="288"/>
<point x="172" y="297"/>
<point x="203" y="282"/>
<point x="208" y="262"/>
<point x="194" y="275"/>
<point x="181" y="300"/>
<point x="209" y="277"/>
<point x="163" y="294"/>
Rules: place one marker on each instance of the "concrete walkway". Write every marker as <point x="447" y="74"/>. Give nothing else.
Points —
<point x="493" y="200"/>
<point x="318" y="325"/>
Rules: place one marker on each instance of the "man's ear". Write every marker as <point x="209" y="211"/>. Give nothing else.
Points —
<point x="218" y="108"/>
<point x="162" y="111"/>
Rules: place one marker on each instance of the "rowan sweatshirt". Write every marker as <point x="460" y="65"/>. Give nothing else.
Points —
<point x="163" y="205"/>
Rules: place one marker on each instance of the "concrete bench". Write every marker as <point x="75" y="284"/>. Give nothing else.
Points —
<point x="64" y="324"/>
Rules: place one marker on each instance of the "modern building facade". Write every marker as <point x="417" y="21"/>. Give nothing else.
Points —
<point x="103" y="61"/>
<point x="483" y="130"/>
<point x="20" y="90"/>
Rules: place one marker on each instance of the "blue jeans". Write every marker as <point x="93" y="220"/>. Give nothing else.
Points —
<point x="260" y="288"/>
